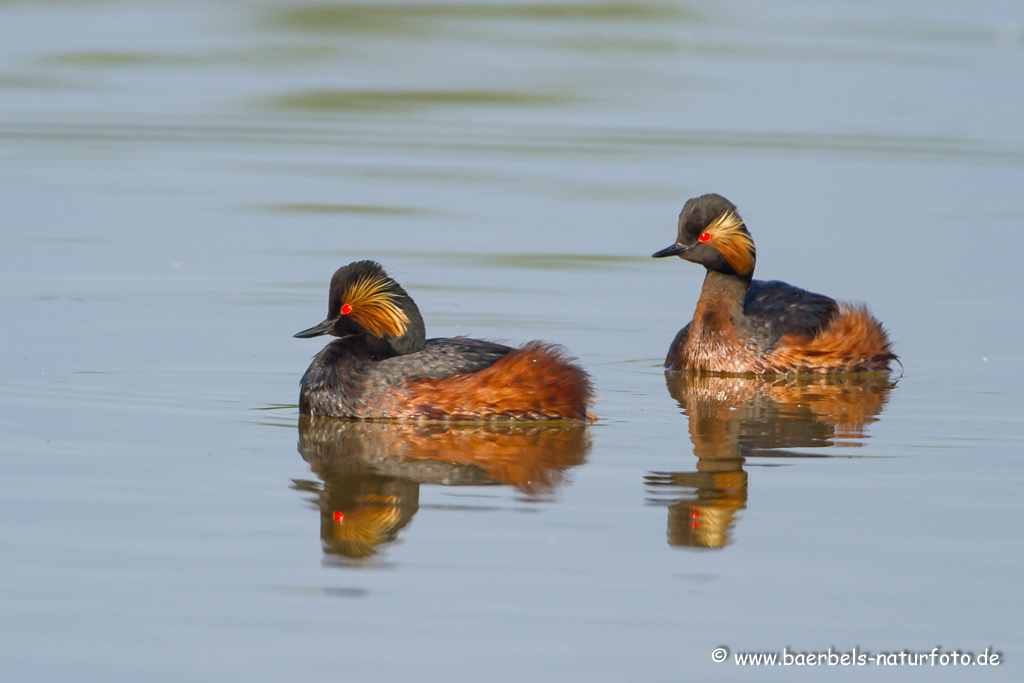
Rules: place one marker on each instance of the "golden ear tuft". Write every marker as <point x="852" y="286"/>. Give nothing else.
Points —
<point x="374" y="307"/>
<point x="732" y="241"/>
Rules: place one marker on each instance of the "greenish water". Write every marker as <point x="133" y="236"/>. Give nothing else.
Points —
<point x="180" y="180"/>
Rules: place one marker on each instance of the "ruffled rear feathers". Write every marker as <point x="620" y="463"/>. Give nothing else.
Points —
<point x="536" y="382"/>
<point x="853" y="341"/>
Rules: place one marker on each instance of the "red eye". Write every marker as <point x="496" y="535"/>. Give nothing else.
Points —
<point x="346" y="309"/>
<point x="704" y="237"/>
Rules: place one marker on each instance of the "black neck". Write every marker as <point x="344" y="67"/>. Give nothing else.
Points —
<point x="725" y="287"/>
<point x="366" y="346"/>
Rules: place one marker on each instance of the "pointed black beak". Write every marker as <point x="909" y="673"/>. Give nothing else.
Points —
<point x="674" y="250"/>
<point x="322" y="328"/>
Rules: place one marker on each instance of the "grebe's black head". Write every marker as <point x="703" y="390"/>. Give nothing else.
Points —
<point x="366" y="303"/>
<point x="712" y="234"/>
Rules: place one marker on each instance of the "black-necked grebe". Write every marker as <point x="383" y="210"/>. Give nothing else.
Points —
<point x="747" y="326"/>
<point x="383" y="367"/>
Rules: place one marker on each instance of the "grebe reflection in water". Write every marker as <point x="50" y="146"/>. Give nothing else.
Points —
<point x="731" y="419"/>
<point x="370" y="472"/>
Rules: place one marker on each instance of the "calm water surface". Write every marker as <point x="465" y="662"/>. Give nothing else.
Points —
<point x="179" y="181"/>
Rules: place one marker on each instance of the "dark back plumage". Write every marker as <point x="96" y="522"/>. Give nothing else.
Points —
<point x="774" y="309"/>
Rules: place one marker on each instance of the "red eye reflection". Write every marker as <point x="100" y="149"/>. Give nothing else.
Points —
<point x="704" y="237"/>
<point x="346" y="309"/>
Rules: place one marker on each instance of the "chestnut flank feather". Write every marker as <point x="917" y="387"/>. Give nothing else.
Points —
<point x="535" y="382"/>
